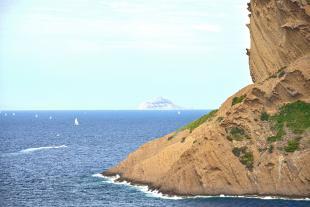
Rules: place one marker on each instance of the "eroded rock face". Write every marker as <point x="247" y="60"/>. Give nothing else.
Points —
<point x="280" y="34"/>
<point x="231" y="153"/>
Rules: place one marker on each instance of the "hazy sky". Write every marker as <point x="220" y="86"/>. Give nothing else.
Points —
<point x="113" y="54"/>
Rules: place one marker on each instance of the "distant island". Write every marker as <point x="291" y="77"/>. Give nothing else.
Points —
<point x="159" y="103"/>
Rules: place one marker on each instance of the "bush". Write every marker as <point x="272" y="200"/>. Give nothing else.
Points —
<point x="220" y="119"/>
<point x="237" y="99"/>
<point x="292" y="145"/>
<point x="264" y="116"/>
<point x="245" y="156"/>
<point x="295" y="116"/>
<point x="262" y="149"/>
<point x="237" y="133"/>
<point x="170" y="137"/>
<point x="193" y="125"/>
<point x="247" y="159"/>
<point x="270" y="149"/>
<point x="238" y="151"/>
<point x="277" y="137"/>
<point x="281" y="73"/>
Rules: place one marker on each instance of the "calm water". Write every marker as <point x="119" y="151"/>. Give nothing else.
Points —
<point x="47" y="161"/>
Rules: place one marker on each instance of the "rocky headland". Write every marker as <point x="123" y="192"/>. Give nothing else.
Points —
<point x="258" y="141"/>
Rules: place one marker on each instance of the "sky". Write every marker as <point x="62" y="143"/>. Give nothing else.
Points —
<point x="115" y="54"/>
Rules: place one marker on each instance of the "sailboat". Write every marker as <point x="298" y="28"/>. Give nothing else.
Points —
<point x="76" y="122"/>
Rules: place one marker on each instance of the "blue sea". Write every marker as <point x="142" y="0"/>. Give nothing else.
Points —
<point x="46" y="160"/>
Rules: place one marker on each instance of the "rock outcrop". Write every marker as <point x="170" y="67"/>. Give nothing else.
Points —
<point x="258" y="141"/>
<point x="280" y="34"/>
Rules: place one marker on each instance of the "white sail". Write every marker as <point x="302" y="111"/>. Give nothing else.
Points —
<point x="76" y="122"/>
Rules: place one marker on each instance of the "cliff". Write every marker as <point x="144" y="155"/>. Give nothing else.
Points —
<point x="257" y="142"/>
<point x="280" y="35"/>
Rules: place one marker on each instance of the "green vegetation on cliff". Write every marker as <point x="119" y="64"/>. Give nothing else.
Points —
<point x="238" y="99"/>
<point x="193" y="125"/>
<point x="264" y="116"/>
<point x="292" y="145"/>
<point x="237" y="133"/>
<point x="245" y="156"/>
<point x="295" y="116"/>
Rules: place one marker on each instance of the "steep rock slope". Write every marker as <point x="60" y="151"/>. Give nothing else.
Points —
<point x="258" y="141"/>
<point x="280" y="34"/>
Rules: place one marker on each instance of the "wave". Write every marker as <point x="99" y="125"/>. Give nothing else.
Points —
<point x="143" y="188"/>
<point x="156" y="194"/>
<point x="30" y="150"/>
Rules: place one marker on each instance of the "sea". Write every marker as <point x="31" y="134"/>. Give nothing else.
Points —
<point x="47" y="158"/>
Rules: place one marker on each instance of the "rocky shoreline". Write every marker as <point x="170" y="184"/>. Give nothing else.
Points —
<point x="172" y="194"/>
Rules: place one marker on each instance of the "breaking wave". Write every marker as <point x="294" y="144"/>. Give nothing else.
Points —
<point x="143" y="188"/>
<point x="156" y="194"/>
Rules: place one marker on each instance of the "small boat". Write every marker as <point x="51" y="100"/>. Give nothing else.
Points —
<point x="76" y="122"/>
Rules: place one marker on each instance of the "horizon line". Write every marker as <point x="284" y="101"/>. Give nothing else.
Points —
<point x="9" y="110"/>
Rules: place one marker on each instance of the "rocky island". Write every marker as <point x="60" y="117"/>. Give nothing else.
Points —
<point x="258" y="141"/>
<point x="158" y="103"/>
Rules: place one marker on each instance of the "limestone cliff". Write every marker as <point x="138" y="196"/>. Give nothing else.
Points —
<point x="258" y="141"/>
<point x="280" y="34"/>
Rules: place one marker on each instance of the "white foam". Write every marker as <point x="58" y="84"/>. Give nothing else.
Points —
<point x="252" y="196"/>
<point x="29" y="150"/>
<point x="156" y="194"/>
<point x="143" y="188"/>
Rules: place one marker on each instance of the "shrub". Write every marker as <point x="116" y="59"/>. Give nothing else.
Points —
<point x="262" y="149"/>
<point x="281" y="73"/>
<point x="238" y="151"/>
<point x="193" y="125"/>
<point x="277" y="137"/>
<point x="237" y="99"/>
<point x="245" y="156"/>
<point x="219" y="119"/>
<point x="264" y="116"/>
<point x="247" y="159"/>
<point x="270" y="149"/>
<point x="170" y="137"/>
<point x="292" y="145"/>
<point x="296" y="116"/>
<point x="237" y="133"/>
